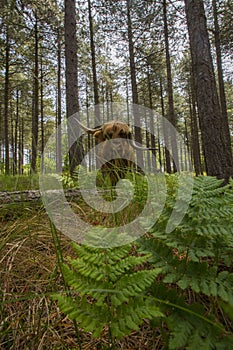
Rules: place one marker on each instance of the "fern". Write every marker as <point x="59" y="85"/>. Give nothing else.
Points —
<point x="196" y="257"/>
<point x="190" y="277"/>
<point x="188" y="326"/>
<point x="108" y="290"/>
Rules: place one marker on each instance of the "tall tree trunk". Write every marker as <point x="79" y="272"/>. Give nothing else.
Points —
<point x="35" y="111"/>
<point x="170" y="91"/>
<point x="12" y="149"/>
<point x="127" y="98"/>
<point x="196" y="153"/>
<point x="72" y="105"/>
<point x="152" y="131"/>
<point x="89" y="137"/>
<point x="21" y="147"/>
<point x="148" y="139"/>
<point x="136" y="111"/>
<point x="42" y="115"/>
<point x="186" y="148"/>
<point x="1" y="140"/>
<point x="165" y="134"/>
<point x="94" y="73"/>
<point x="6" y="105"/>
<point x="222" y="94"/>
<point x="131" y="54"/>
<point x="217" y="152"/>
<point x="58" y="141"/>
<point x="159" y="144"/>
<point x="15" y="166"/>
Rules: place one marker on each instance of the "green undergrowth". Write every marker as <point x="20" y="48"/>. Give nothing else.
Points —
<point x="173" y="288"/>
<point x="23" y="210"/>
<point x="134" y="185"/>
<point x="19" y="182"/>
<point x="108" y="291"/>
<point x="196" y="282"/>
<point x="181" y="281"/>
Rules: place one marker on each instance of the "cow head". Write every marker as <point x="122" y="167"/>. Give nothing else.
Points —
<point x="119" y="153"/>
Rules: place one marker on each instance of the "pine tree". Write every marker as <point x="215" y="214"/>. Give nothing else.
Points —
<point x="214" y="128"/>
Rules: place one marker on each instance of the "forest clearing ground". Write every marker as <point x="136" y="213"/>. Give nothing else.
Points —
<point x="29" y="273"/>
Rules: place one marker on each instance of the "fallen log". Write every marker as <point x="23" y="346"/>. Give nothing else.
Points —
<point x="35" y="195"/>
<point x="31" y="195"/>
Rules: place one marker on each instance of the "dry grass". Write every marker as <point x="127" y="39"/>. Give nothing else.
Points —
<point x="29" y="320"/>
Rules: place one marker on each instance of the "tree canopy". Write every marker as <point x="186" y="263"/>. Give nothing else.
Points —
<point x="132" y="51"/>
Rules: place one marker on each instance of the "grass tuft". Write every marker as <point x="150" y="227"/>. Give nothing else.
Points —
<point x="19" y="182"/>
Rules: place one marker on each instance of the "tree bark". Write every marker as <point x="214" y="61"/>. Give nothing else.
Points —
<point x="93" y="60"/>
<point x="42" y="115"/>
<point x="166" y="138"/>
<point x="218" y="155"/>
<point x="8" y="197"/>
<point x="72" y="104"/>
<point x="222" y="94"/>
<point x="58" y="124"/>
<point x="21" y="147"/>
<point x="35" y="110"/>
<point x="152" y="131"/>
<point x="15" y="165"/>
<point x="170" y="91"/>
<point x="6" y="104"/>
<point x="136" y="112"/>
<point x="195" y="142"/>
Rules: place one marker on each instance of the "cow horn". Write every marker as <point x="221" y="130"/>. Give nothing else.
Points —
<point x="140" y="148"/>
<point x="85" y="128"/>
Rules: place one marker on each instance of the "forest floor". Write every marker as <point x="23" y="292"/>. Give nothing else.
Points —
<point x="29" y="274"/>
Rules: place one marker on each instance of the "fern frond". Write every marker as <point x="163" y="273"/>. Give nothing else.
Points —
<point x="188" y="325"/>
<point x="196" y="256"/>
<point x="108" y="290"/>
<point x="130" y="315"/>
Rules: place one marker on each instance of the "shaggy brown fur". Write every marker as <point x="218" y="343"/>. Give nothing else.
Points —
<point x="120" y="156"/>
